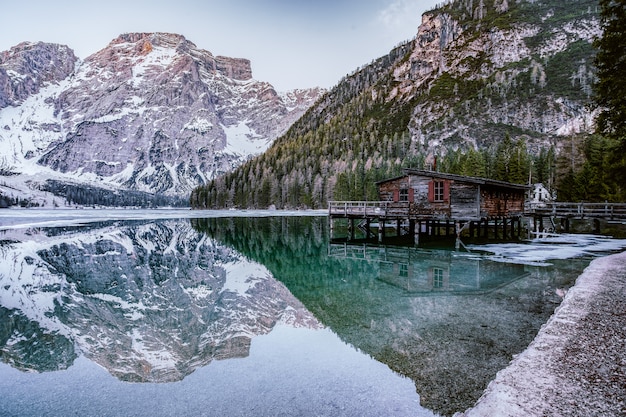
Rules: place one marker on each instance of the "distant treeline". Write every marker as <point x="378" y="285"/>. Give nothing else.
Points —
<point x="94" y="196"/>
<point x="7" y="201"/>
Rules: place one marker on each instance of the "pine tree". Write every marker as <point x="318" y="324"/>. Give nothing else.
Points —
<point x="502" y="161"/>
<point x="610" y="89"/>
<point x="519" y="164"/>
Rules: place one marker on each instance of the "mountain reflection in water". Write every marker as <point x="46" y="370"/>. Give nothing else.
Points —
<point x="153" y="301"/>
<point x="148" y="302"/>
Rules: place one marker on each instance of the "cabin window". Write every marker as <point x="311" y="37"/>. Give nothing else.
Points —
<point x="404" y="194"/>
<point x="438" y="191"/>
<point x="437" y="278"/>
<point x="438" y="186"/>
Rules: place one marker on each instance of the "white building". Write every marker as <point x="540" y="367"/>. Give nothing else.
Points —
<point x="539" y="195"/>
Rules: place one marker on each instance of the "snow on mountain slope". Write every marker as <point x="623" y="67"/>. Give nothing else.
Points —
<point x="150" y="112"/>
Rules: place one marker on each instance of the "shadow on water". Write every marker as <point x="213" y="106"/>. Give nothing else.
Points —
<point x="448" y="320"/>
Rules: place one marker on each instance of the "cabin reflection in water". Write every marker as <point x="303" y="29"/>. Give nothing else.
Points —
<point x="432" y="272"/>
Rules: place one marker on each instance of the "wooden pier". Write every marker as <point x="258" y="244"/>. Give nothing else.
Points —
<point x="431" y="204"/>
<point x="558" y="216"/>
<point x="387" y="220"/>
<point x="375" y="219"/>
<point x="606" y="211"/>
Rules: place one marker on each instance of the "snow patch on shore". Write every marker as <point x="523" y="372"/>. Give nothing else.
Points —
<point x="540" y="251"/>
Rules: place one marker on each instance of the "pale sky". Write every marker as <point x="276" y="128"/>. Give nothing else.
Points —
<point x="290" y="43"/>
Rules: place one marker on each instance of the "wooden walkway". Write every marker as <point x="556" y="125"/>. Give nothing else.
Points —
<point x="605" y="211"/>
<point x="403" y="210"/>
<point x="373" y="209"/>
<point x="409" y="219"/>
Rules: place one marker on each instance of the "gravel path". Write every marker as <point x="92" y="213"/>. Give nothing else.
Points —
<point x="576" y="366"/>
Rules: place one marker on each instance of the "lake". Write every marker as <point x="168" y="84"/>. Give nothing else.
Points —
<point x="163" y="313"/>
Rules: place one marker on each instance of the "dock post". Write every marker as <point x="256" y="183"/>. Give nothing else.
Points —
<point x="351" y="229"/>
<point x="381" y="230"/>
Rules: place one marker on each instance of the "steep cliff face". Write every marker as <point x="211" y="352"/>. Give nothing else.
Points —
<point x="480" y="70"/>
<point x="150" y="112"/>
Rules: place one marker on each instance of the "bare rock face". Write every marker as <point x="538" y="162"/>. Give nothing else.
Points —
<point x="26" y="67"/>
<point x="152" y="112"/>
<point x="472" y="86"/>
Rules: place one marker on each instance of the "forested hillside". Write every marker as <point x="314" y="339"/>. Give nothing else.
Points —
<point x="488" y="88"/>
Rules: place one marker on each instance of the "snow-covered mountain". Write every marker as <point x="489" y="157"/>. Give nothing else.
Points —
<point x="147" y="301"/>
<point x="150" y="112"/>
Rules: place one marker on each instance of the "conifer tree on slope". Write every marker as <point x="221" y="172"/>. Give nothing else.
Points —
<point x="610" y="88"/>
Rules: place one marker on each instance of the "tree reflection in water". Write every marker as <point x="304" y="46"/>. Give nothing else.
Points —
<point x="448" y="320"/>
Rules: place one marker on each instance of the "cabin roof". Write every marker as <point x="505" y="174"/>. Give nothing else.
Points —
<point x="457" y="178"/>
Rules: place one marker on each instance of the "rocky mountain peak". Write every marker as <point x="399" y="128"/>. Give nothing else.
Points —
<point x="513" y="59"/>
<point x="132" y="49"/>
<point x="26" y="67"/>
<point x="170" y="40"/>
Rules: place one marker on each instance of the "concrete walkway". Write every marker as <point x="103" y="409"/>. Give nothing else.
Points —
<point x="576" y="366"/>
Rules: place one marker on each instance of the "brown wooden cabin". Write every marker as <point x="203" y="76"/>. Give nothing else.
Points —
<point x="439" y="195"/>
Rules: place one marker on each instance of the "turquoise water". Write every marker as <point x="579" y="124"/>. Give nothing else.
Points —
<point x="256" y="316"/>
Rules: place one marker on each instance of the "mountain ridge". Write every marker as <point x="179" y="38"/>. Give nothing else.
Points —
<point x="149" y="113"/>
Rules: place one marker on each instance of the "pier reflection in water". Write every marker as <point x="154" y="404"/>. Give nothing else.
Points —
<point x="158" y="301"/>
<point x="433" y="272"/>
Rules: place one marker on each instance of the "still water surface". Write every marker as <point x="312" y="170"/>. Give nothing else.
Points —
<point x="255" y="316"/>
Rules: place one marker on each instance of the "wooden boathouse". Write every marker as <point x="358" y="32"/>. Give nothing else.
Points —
<point x="428" y="203"/>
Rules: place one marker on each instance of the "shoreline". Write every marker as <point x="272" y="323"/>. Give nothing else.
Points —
<point x="576" y="365"/>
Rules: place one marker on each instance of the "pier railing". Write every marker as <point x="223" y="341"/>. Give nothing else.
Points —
<point x="608" y="211"/>
<point x="392" y="209"/>
<point x="368" y="208"/>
